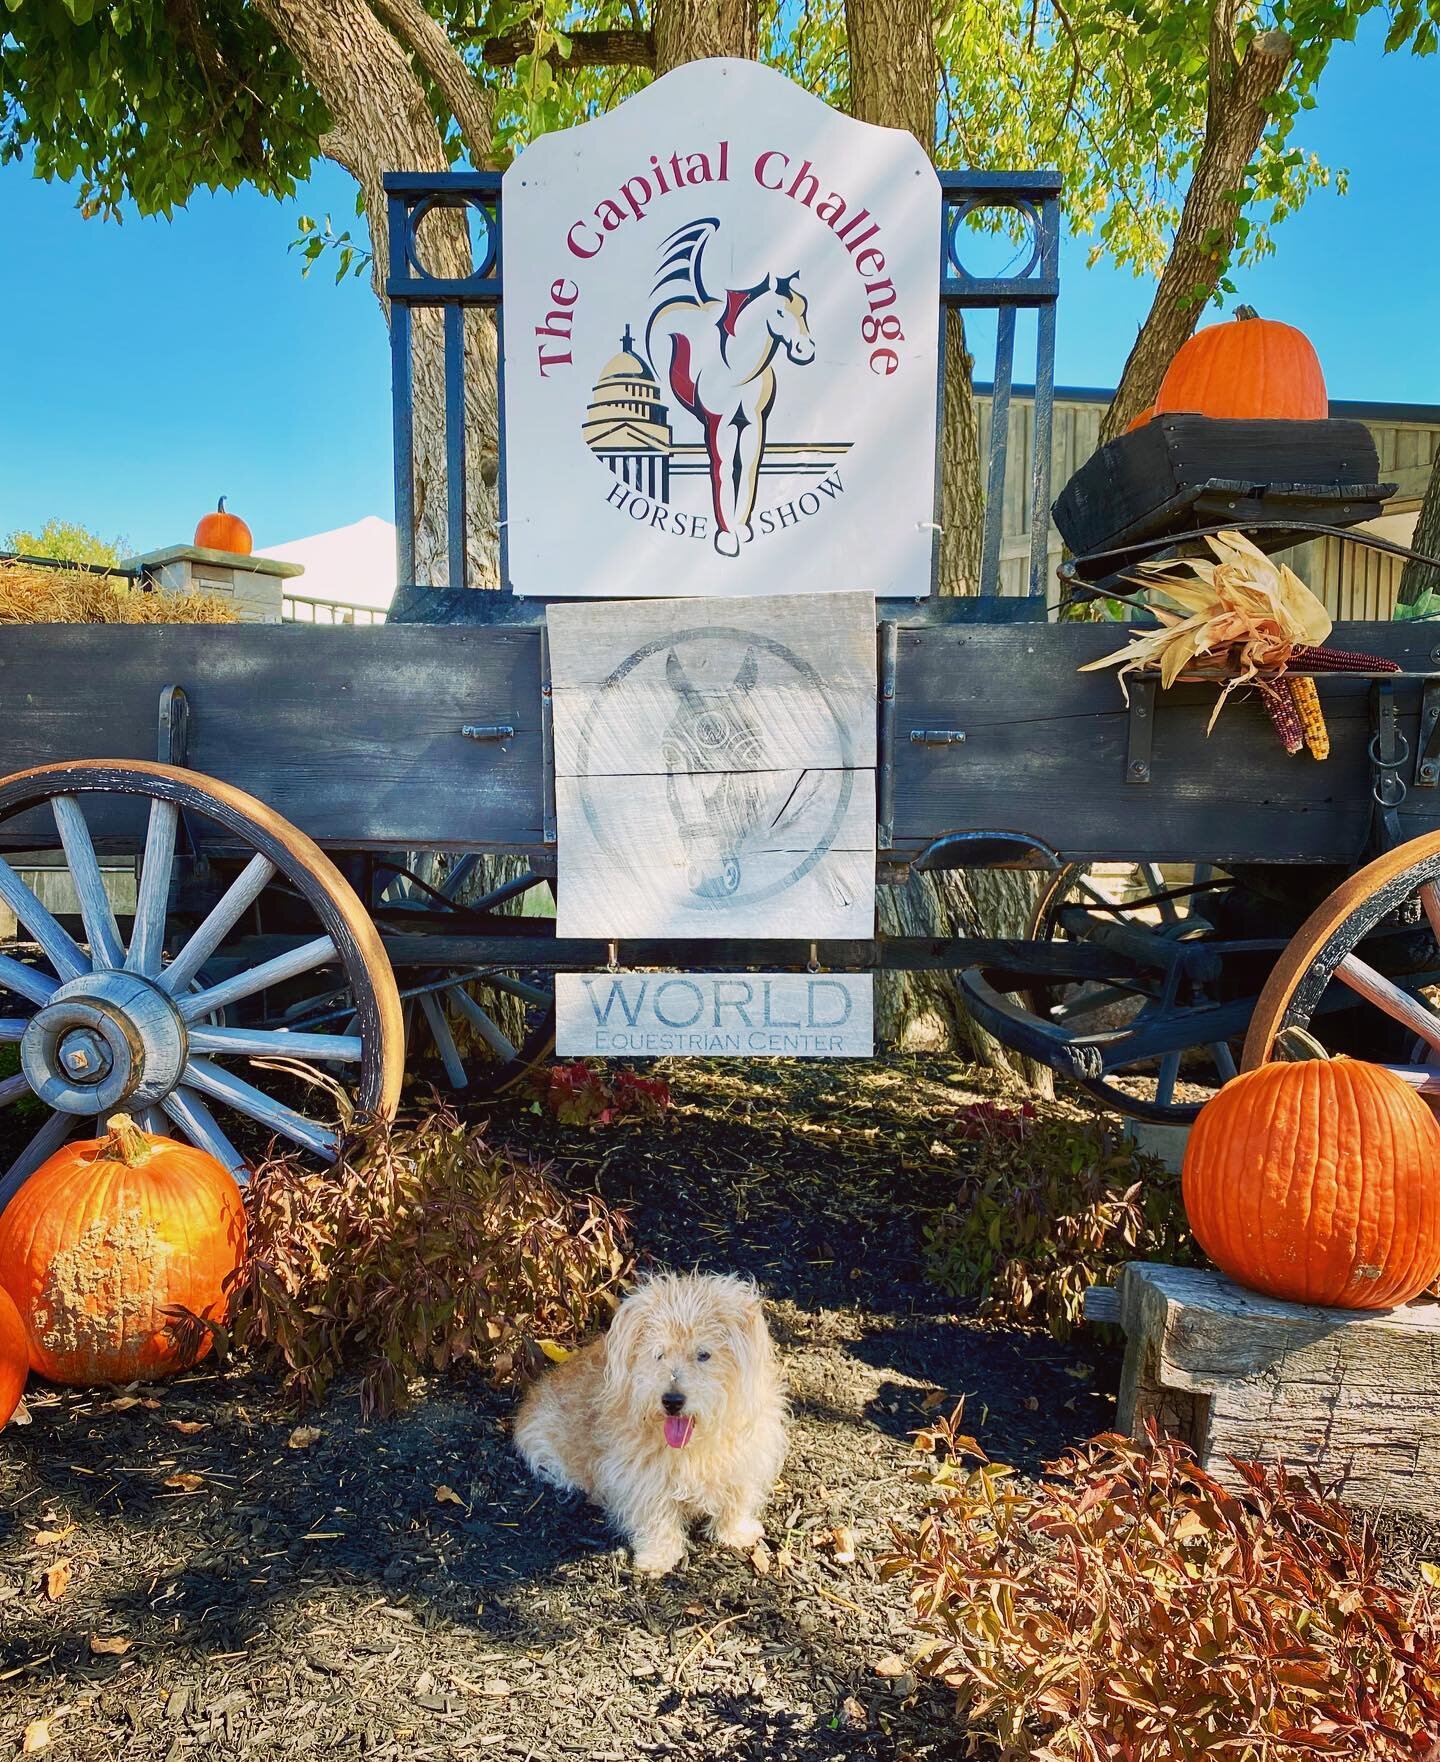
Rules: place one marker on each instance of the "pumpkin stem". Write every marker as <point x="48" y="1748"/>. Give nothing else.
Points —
<point x="1246" y="312"/>
<point x="1295" y="1046"/>
<point x="126" y="1143"/>
<point x="220" y="505"/>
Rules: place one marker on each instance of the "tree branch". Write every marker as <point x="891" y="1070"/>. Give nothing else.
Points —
<point x="428" y="41"/>
<point x="612" y="48"/>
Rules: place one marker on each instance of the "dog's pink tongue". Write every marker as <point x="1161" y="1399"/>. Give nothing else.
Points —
<point x="678" y="1427"/>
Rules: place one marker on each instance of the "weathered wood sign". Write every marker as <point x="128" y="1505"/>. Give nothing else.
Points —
<point x="714" y="1015"/>
<point x="721" y="326"/>
<point x="715" y="772"/>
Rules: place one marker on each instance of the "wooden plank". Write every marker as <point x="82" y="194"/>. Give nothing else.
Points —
<point x="714" y="1015"/>
<point x="715" y="768"/>
<point x="351" y="733"/>
<point x="1352" y="1394"/>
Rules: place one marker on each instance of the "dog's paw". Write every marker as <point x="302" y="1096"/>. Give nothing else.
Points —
<point x="654" y="1559"/>
<point x="739" y="1532"/>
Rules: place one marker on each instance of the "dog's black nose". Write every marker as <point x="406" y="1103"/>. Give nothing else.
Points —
<point x="672" y="1401"/>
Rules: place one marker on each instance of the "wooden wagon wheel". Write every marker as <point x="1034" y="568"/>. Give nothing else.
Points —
<point x="442" y="1001"/>
<point x="1394" y="904"/>
<point x="1148" y="1090"/>
<point x="102" y="1025"/>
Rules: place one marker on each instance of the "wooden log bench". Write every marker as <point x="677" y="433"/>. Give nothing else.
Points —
<point x="1353" y="1394"/>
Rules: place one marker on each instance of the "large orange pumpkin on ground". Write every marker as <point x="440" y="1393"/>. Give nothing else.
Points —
<point x="14" y="1356"/>
<point x="1248" y="369"/>
<point x="1318" y="1182"/>
<point x="104" y="1238"/>
<point x="224" y="532"/>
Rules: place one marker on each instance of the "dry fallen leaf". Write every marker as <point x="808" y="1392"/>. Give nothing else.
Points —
<point x="855" y="1716"/>
<point x="109" y="1645"/>
<point x="48" y="1538"/>
<point x="892" y="1664"/>
<point x="760" y="1558"/>
<point x="37" y="1737"/>
<point x="303" y="1437"/>
<point x="447" y="1496"/>
<point x="187" y="1482"/>
<point x="57" y="1580"/>
<point x="842" y="1544"/>
<point x="496" y="1687"/>
<point x="187" y="1428"/>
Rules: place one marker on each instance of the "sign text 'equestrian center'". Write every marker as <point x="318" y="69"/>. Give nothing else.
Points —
<point x="721" y="348"/>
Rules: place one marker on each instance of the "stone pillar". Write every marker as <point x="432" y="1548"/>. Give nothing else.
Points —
<point x="255" y="585"/>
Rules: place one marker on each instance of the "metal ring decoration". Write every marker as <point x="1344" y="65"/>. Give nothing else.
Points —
<point x="117" y="1025"/>
<point x="1293" y="993"/>
<point x="958" y="212"/>
<point x="467" y="202"/>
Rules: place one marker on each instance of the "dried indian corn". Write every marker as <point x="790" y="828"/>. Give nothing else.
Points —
<point x="1306" y="698"/>
<point x="1323" y="659"/>
<point x="1285" y="717"/>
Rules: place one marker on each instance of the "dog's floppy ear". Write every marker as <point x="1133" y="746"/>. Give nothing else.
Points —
<point x="754" y="1349"/>
<point x="622" y="1340"/>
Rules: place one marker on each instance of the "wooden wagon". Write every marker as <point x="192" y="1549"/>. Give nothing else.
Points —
<point x="277" y="789"/>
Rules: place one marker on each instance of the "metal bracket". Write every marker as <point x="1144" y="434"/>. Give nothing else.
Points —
<point x="547" y="742"/>
<point x="1427" y="759"/>
<point x="937" y="736"/>
<point x="889" y="640"/>
<point x="488" y="731"/>
<point x="173" y="744"/>
<point x="1142" y="730"/>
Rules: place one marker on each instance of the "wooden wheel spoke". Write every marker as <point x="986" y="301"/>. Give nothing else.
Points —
<point x="290" y="965"/>
<point x="13" y="1089"/>
<point x="96" y="912"/>
<point x="12" y="1028"/>
<point x="520" y="988"/>
<point x="199" y="1125"/>
<point x="25" y="981"/>
<point x="42" y="1146"/>
<point x="1430" y="901"/>
<point x="226" y="913"/>
<point x="489" y="1031"/>
<point x="275" y="1043"/>
<point x="153" y="1121"/>
<point x="1399" y="1005"/>
<point x="245" y="1098"/>
<point x="435" y="1018"/>
<point x="59" y="946"/>
<point x="147" y="938"/>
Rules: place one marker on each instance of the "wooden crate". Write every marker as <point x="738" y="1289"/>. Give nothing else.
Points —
<point x="1353" y="1394"/>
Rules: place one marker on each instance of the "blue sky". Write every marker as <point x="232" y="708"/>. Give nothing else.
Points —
<point x="150" y="367"/>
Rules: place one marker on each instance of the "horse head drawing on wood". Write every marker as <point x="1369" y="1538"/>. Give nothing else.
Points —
<point x="719" y="353"/>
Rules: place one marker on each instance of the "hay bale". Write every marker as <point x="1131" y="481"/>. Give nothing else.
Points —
<point x="33" y="594"/>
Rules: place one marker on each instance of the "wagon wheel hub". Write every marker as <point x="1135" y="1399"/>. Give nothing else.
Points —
<point x="103" y="1040"/>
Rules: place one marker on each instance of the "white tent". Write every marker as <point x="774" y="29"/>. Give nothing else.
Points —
<point x="351" y="566"/>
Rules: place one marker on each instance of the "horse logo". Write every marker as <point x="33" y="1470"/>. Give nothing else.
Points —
<point x="715" y="734"/>
<point x="719" y="357"/>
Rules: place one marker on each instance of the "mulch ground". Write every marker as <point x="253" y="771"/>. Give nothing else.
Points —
<point x="183" y="1573"/>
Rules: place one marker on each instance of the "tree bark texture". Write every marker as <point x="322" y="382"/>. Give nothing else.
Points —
<point x="1421" y="578"/>
<point x="894" y="74"/>
<point x="381" y="121"/>
<point x="1235" y="116"/>
<point x="694" y="30"/>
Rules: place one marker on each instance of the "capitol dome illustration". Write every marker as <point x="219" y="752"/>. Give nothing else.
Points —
<point x="626" y="424"/>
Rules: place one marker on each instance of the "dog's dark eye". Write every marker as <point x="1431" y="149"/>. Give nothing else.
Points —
<point x="702" y="1357"/>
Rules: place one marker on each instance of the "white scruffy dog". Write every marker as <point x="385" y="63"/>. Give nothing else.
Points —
<point x="676" y="1413"/>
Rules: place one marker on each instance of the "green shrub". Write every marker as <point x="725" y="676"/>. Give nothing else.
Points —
<point x="1047" y="1208"/>
<point x="1133" y="1608"/>
<point x="423" y="1247"/>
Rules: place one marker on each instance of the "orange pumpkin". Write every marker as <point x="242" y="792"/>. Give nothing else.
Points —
<point x="1248" y="369"/>
<point x="1140" y="420"/>
<point x="104" y="1238"/>
<point x="14" y="1356"/>
<point x="224" y="532"/>
<point x="1318" y="1182"/>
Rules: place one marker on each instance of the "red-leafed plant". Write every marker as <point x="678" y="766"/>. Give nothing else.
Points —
<point x="578" y="1095"/>
<point x="1134" y="1608"/>
<point x="983" y="1122"/>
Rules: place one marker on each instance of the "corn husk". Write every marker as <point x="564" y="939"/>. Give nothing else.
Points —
<point x="1243" y="611"/>
<point x="31" y="594"/>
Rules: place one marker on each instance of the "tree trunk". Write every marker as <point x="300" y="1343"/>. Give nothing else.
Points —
<point x="1235" y="117"/>
<point x="894" y="83"/>
<point x="1422" y="578"/>
<point x="381" y="122"/>
<point x="694" y="30"/>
